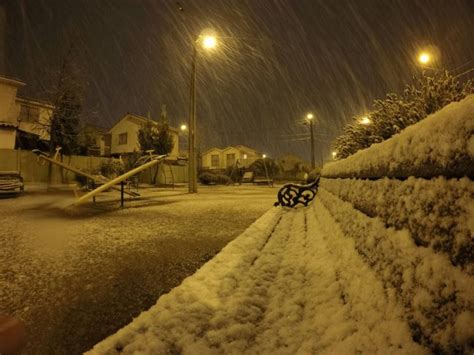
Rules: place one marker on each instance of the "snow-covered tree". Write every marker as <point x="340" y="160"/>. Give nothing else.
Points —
<point x="426" y="95"/>
<point x="157" y="138"/>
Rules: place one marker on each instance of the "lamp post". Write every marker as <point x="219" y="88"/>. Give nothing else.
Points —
<point x="208" y="42"/>
<point x="310" y="119"/>
<point x="183" y="146"/>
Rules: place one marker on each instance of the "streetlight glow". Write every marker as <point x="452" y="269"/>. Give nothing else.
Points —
<point x="309" y="116"/>
<point x="209" y="42"/>
<point x="334" y="154"/>
<point x="424" y="58"/>
<point x="264" y="156"/>
<point x="365" y="120"/>
<point x="183" y="127"/>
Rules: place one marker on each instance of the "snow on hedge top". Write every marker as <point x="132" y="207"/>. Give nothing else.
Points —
<point x="441" y="144"/>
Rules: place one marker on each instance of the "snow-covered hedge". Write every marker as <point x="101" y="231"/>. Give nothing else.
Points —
<point x="441" y="144"/>
<point x="438" y="297"/>
<point x="437" y="212"/>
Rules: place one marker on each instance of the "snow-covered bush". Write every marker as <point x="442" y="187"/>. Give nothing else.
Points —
<point x="437" y="296"/>
<point x="435" y="211"/>
<point x="394" y="113"/>
<point x="111" y="168"/>
<point x="441" y="144"/>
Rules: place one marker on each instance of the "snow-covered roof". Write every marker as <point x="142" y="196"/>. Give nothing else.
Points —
<point x="34" y="102"/>
<point x="141" y="120"/>
<point x="11" y="81"/>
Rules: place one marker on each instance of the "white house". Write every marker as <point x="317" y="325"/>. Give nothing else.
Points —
<point x="34" y="117"/>
<point x="8" y="112"/>
<point x="216" y="158"/>
<point x="123" y="136"/>
<point x="21" y="116"/>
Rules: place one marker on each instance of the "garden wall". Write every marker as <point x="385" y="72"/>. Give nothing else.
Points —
<point x="416" y="188"/>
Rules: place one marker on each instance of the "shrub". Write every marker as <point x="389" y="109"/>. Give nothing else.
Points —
<point x="208" y="179"/>
<point x="261" y="167"/>
<point x="223" y="179"/>
<point x="111" y="168"/>
<point x="213" y="179"/>
<point x="395" y="112"/>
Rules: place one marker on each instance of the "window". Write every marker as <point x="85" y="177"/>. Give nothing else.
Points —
<point x="122" y="138"/>
<point x="215" y="160"/>
<point x="230" y="159"/>
<point x="29" y="113"/>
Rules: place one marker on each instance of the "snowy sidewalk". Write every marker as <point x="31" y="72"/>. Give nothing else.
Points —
<point x="291" y="283"/>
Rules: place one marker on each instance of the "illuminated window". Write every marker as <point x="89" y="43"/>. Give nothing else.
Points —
<point x="230" y="159"/>
<point x="29" y="113"/>
<point x="122" y="138"/>
<point x="215" y="160"/>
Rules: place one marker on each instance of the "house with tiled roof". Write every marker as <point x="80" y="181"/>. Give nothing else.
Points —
<point x="217" y="158"/>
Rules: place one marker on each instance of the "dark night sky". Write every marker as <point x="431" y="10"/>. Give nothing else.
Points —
<point x="276" y="61"/>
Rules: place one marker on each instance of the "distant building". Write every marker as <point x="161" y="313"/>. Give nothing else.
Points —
<point x="21" y="119"/>
<point x="216" y="158"/>
<point x="34" y="119"/>
<point x="94" y="139"/>
<point x="123" y="136"/>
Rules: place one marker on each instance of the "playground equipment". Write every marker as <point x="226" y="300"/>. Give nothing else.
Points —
<point x="97" y="179"/>
<point x="153" y="160"/>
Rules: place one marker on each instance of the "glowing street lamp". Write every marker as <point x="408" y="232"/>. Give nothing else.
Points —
<point x="264" y="156"/>
<point x="365" y="121"/>
<point x="183" y="128"/>
<point x="207" y="42"/>
<point x="334" y="154"/>
<point x="424" y="58"/>
<point x="310" y="119"/>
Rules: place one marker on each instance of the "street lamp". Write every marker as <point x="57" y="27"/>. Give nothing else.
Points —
<point x="334" y="155"/>
<point x="365" y="121"/>
<point x="424" y="58"/>
<point x="207" y="42"/>
<point x="310" y="119"/>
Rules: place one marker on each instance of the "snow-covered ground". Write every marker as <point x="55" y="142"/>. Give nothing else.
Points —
<point x="77" y="275"/>
<point x="304" y="281"/>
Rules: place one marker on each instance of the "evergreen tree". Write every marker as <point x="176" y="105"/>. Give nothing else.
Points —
<point x="157" y="138"/>
<point x="66" y="96"/>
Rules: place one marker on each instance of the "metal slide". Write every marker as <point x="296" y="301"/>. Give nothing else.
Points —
<point x="46" y="157"/>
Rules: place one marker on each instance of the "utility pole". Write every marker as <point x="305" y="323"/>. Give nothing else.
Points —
<point x="310" y="120"/>
<point x="192" y="163"/>
<point x="311" y="124"/>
